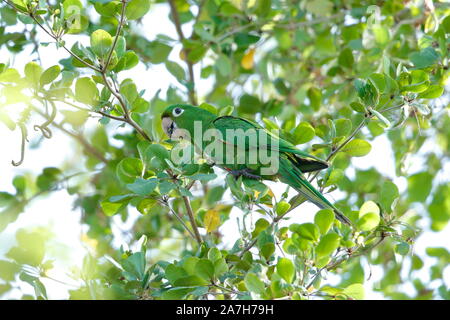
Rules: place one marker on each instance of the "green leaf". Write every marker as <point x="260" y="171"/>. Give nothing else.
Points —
<point x="319" y="7"/>
<point x="8" y="270"/>
<point x="214" y="254"/>
<point x="158" y="51"/>
<point x="128" y="61"/>
<point x="432" y="92"/>
<point x="354" y="291"/>
<point x="378" y="80"/>
<point x="74" y="20"/>
<point x="9" y="75"/>
<point x="145" y="205"/>
<point x="253" y="283"/>
<point x="143" y="187"/>
<point x="358" y="107"/>
<point x="227" y="111"/>
<point x="369" y="206"/>
<point x="176" y="70"/>
<point x="286" y="269"/>
<point x="328" y="243"/>
<point x="129" y="169"/>
<point x="419" y="81"/>
<point x="249" y="104"/>
<point x="176" y="293"/>
<point x="121" y="46"/>
<point x="135" y="265"/>
<point x="419" y="186"/>
<point x="220" y="267"/>
<point x="346" y="59"/>
<point x="110" y="208"/>
<point x="190" y="281"/>
<point x="386" y="123"/>
<point x="86" y="91"/>
<point x="367" y="92"/>
<point x="266" y="250"/>
<point x="173" y="273"/>
<point x="357" y="148"/>
<point x="369" y="216"/>
<point x="303" y="133"/>
<point x="189" y="264"/>
<point x="71" y="7"/>
<point x="33" y="73"/>
<point x="368" y="221"/>
<point x="335" y="176"/>
<point x="156" y="152"/>
<point x="389" y="192"/>
<point x="49" y="75"/>
<point x="281" y="86"/>
<point x="140" y="105"/>
<point x="381" y="34"/>
<point x="129" y="90"/>
<point x="205" y="269"/>
<point x="324" y="220"/>
<point x="223" y="64"/>
<point x="402" y="248"/>
<point x="101" y="42"/>
<point x="202" y="176"/>
<point x="315" y="98"/>
<point x="343" y="127"/>
<point x="282" y="207"/>
<point x="307" y="231"/>
<point x="49" y="178"/>
<point x="108" y="9"/>
<point x="136" y="9"/>
<point x="211" y="220"/>
<point x="425" y="58"/>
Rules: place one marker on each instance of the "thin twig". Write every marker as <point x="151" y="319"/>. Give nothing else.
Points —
<point x="166" y="203"/>
<point x="126" y="112"/>
<point x="116" y="38"/>
<point x="23" y="131"/>
<point x="88" y="147"/>
<point x="190" y="66"/>
<point x="187" y="204"/>
<point x="336" y="263"/>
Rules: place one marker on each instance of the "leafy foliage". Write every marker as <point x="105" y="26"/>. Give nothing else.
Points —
<point x="332" y="76"/>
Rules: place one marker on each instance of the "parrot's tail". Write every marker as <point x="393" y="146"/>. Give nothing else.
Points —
<point x="292" y="175"/>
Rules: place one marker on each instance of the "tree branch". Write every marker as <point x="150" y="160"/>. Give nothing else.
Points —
<point x="336" y="263"/>
<point x="190" y="66"/>
<point x="187" y="204"/>
<point x="56" y="38"/>
<point x="126" y="113"/>
<point x="166" y="203"/>
<point x="119" y="29"/>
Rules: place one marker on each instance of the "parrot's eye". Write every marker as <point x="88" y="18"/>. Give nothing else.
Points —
<point x="177" y="111"/>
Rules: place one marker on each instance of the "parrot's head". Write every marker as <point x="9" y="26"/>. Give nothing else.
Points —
<point x="178" y="118"/>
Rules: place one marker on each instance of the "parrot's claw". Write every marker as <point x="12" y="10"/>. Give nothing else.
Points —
<point x="244" y="173"/>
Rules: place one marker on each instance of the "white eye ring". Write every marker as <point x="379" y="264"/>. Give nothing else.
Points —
<point x="177" y="112"/>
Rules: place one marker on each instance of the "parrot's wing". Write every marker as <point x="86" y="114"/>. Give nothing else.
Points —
<point x="258" y="137"/>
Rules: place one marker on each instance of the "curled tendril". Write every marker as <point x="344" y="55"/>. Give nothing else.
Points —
<point x="23" y="130"/>
<point x="45" y="130"/>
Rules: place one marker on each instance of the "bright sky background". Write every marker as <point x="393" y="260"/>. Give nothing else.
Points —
<point x="55" y="209"/>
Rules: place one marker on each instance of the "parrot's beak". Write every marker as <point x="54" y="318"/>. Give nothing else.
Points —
<point x="168" y="126"/>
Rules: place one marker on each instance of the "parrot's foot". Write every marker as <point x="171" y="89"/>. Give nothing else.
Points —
<point x="246" y="172"/>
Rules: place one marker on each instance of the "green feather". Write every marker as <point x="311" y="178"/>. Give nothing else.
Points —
<point x="291" y="175"/>
<point x="292" y="162"/>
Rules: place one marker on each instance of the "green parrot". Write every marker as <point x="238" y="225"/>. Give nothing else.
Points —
<point x="244" y="148"/>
